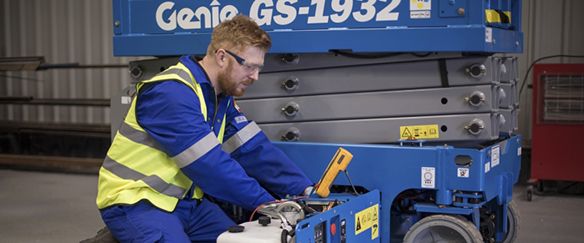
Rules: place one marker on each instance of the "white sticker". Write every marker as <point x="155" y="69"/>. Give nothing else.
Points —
<point x="519" y="151"/>
<point x="463" y="172"/>
<point x="420" y="15"/>
<point x="489" y="35"/>
<point x="495" y="152"/>
<point x="416" y="5"/>
<point x="126" y="100"/>
<point x="240" y="119"/>
<point x="428" y="177"/>
<point x="420" y="9"/>
<point x="487" y="167"/>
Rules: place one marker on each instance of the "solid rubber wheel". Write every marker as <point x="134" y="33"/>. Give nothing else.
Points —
<point x="512" y="223"/>
<point x="442" y="229"/>
<point x="529" y="193"/>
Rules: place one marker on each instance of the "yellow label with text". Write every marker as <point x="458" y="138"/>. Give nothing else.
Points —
<point x="419" y="132"/>
<point x="368" y="219"/>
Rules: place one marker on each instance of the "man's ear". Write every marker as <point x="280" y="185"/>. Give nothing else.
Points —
<point x="220" y="58"/>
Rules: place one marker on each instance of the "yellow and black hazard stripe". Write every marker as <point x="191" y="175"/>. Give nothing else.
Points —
<point x="493" y="16"/>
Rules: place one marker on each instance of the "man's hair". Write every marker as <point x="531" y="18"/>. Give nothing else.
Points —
<point x="238" y="33"/>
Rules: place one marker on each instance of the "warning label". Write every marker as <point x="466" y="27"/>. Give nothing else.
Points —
<point x="495" y="155"/>
<point x="420" y="9"/>
<point x="428" y="177"/>
<point x="419" y="132"/>
<point x="368" y="218"/>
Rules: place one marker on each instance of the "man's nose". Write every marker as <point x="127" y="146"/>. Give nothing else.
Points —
<point x="255" y="75"/>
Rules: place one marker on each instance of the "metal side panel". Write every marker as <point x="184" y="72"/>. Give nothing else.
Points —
<point x="145" y="69"/>
<point x="386" y="130"/>
<point x="478" y="69"/>
<point x="508" y="95"/>
<point x="336" y="59"/>
<point x="453" y="100"/>
<point x="508" y="69"/>
<point x="511" y="120"/>
<point x="386" y="76"/>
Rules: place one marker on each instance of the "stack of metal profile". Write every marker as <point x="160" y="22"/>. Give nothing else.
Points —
<point x="347" y="98"/>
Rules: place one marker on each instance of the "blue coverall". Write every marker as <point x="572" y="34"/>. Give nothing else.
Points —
<point x="170" y="112"/>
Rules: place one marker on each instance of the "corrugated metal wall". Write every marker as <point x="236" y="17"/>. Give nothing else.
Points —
<point x="552" y="27"/>
<point x="66" y="31"/>
<point x="63" y="31"/>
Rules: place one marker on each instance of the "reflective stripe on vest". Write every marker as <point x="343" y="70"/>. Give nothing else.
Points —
<point x="136" y="167"/>
<point x="241" y="137"/>
<point x="153" y="181"/>
<point x="138" y="136"/>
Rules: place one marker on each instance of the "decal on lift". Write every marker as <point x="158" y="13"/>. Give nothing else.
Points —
<point x="420" y="9"/>
<point x="487" y="167"/>
<point x="519" y="151"/>
<point x="463" y="172"/>
<point x="495" y="155"/>
<point x="170" y="17"/>
<point x="428" y="177"/>
<point x="368" y="218"/>
<point x="419" y="132"/>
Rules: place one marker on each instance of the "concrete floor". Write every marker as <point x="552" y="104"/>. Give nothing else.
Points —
<point x="53" y="207"/>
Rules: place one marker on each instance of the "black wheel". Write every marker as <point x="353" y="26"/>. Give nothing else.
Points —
<point x="529" y="193"/>
<point x="443" y="228"/>
<point x="539" y="187"/>
<point x="512" y="223"/>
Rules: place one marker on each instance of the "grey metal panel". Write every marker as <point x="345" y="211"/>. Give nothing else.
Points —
<point x="458" y="70"/>
<point x="394" y="76"/>
<point x="453" y="100"/>
<point x="510" y="117"/>
<point x="290" y="62"/>
<point x="508" y="69"/>
<point x="508" y="96"/>
<point x="145" y="69"/>
<point x="385" y="130"/>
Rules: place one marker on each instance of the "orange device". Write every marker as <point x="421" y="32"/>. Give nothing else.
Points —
<point x="339" y="163"/>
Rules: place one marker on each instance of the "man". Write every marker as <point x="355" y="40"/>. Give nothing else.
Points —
<point x="183" y="137"/>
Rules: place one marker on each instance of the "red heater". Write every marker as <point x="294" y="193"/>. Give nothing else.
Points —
<point x="558" y="123"/>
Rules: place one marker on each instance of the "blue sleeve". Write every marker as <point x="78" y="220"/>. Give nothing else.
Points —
<point x="169" y="111"/>
<point x="264" y="161"/>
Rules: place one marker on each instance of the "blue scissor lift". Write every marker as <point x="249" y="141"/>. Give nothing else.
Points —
<point x="457" y="184"/>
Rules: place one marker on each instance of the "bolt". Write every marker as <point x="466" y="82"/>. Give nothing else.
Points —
<point x="117" y="23"/>
<point x="460" y="11"/>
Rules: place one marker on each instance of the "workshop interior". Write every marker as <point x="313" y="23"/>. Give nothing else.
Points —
<point x="418" y="121"/>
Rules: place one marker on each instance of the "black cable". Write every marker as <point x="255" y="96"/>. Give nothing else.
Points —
<point x="536" y="61"/>
<point x="364" y="56"/>
<point x="350" y="182"/>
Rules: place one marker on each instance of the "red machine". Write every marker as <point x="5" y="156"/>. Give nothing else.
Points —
<point x="558" y="123"/>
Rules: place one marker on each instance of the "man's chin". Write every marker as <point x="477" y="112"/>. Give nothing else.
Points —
<point x="238" y="92"/>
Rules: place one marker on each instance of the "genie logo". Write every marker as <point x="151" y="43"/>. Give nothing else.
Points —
<point x="169" y="19"/>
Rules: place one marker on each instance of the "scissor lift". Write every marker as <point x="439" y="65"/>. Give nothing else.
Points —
<point x="420" y="92"/>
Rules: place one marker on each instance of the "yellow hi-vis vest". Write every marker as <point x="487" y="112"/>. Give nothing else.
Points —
<point x="135" y="167"/>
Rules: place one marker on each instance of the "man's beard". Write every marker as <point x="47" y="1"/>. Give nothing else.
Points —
<point x="226" y="85"/>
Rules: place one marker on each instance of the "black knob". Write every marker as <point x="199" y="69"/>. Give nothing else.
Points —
<point x="475" y="126"/>
<point x="236" y="229"/>
<point x="290" y="58"/>
<point x="136" y="72"/>
<point x="291" y="135"/>
<point x="290" y="83"/>
<point x="291" y="109"/>
<point x="264" y="220"/>
<point x="477" y="70"/>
